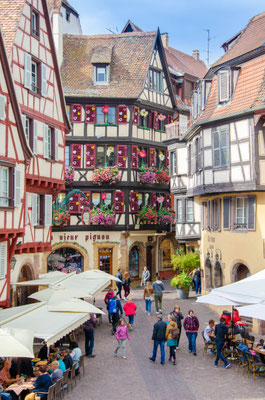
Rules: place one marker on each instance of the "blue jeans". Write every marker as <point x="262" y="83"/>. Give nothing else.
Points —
<point x="131" y="319"/>
<point x="192" y="336"/>
<point x="219" y="346"/>
<point x="198" y="286"/>
<point x="162" y="350"/>
<point x="148" y="305"/>
<point x="89" y="341"/>
<point x="5" y="396"/>
<point x="119" y="286"/>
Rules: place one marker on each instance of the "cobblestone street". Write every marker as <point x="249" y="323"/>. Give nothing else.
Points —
<point x="193" y="378"/>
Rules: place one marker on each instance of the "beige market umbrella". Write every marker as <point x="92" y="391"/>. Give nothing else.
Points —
<point x="98" y="274"/>
<point x="58" y="293"/>
<point x="16" y="342"/>
<point x="76" y="306"/>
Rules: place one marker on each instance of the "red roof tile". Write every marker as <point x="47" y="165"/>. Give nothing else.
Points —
<point x="10" y="12"/>
<point x="184" y="63"/>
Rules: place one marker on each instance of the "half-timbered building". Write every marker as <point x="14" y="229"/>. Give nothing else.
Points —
<point x="219" y="193"/>
<point x="32" y="59"/>
<point x="119" y="97"/>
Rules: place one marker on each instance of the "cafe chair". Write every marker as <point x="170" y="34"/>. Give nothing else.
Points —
<point x="51" y="392"/>
<point x="242" y="361"/>
<point x="72" y="378"/>
<point x="82" y="365"/>
<point x="210" y="346"/>
<point x="58" y="389"/>
<point x="65" y="386"/>
<point x="254" y="366"/>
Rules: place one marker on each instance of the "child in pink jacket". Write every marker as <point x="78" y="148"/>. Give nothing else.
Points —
<point x="130" y="311"/>
<point x="121" y="335"/>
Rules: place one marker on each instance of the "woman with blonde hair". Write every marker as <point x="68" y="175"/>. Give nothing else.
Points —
<point x="148" y="293"/>
<point x="177" y="317"/>
<point x="126" y="284"/>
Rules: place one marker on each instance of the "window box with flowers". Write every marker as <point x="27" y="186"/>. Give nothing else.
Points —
<point x="164" y="217"/>
<point x="102" y="216"/>
<point x="162" y="176"/>
<point x="69" y="175"/>
<point x="147" y="215"/>
<point x="147" y="175"/>
<point x="110" y="175"/>
<point x="60" y="217"/>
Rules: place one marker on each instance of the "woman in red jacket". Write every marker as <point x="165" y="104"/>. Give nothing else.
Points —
<point x="130" y="311"/>
<point x="191" y="326"/>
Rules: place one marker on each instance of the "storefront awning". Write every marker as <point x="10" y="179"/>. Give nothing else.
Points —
<point x="51" y="278"/>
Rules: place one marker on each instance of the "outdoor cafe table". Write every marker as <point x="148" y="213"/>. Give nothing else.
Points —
<point x="259" y="350"/>
<point x="18" y="388"/>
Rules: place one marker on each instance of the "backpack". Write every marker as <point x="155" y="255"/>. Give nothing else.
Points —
<point x="112" y="304"/>
<point x="174" y="333"/>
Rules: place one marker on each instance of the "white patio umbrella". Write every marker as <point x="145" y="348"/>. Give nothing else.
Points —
<point x="58" y="293"/>
<point x="76" y="306"/>
<point x="16" y="342"/>
<point x="215" y="300"/>
<point x="253" y="311"/>
<point x="98" y="274"/>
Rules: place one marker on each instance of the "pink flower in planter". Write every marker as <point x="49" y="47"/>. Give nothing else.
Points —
<point x="142" y="154"/>
<point x="105" y="109"/>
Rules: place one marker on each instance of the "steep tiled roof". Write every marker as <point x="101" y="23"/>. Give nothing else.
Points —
<point x="250" y="38"/>
<point x="10" y="12"/>
<point x="128" y="68"/>
<point x="249" y="92"/>
<point x="131" y="27"/>
<point x="184" y="63"/>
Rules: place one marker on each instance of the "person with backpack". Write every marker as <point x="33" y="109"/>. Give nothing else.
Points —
<point x="119" y="284"/>
<point x="177" y="317"/>
<point x="191" y="326"/>
<point x="115" y="310"/>
<point x="172" y="333"/>
<point x="121" y="336"/>
<point x="108" y="296"/>
<point x="130" y="311"/>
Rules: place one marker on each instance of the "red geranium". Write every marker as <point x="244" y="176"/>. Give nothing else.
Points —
<point x="105" y="109"/>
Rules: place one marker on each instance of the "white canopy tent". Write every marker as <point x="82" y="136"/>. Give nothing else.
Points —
<point x="215" y="300"/>
<point x="51" y="278"/>
<point x="75" y="305"/>
<point x="253" y="311"/>
<point x="16" y="342"/>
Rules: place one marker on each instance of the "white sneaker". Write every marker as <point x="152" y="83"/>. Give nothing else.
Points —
<point x="124" y="357"/>
<point x="149" y="313"/>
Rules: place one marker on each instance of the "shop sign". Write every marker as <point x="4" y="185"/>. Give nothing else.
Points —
<point x="90" y="237"/>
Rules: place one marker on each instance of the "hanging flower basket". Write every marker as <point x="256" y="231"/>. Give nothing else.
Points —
<point x="102" y="217"/>
<point x="164" y="217"/>
<point x="147" y="216"/>
<point x="106" y="175"/>
<point x="147" y="175"/>
<point x="162" y="176"/>
<point x="60" y="218"/>
<point x="69" y="175"/>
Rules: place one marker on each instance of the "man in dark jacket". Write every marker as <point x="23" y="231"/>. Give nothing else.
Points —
<point x="67" y="359"/>
<point x="221" y="336"/>
<point x="119" y="284"/>
<point x="159" y="337"/>
<point x="197" y="280"/>
<point x="89" y="335"/>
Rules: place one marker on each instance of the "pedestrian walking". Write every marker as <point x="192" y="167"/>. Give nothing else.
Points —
<point x="89" y="335"/>
<point x="121" y="336"/>
<point x="145" y="276"/>
<point x="178" y="317"/>
<point x="172" y="332"/>
<point x="130" y="311"/>
<point x="148" y="293"/>
<point x="158" y="287"/>
<point x="197" y="280"/>
<point x="159" y="337"/>
<point x="115" y="310"/>
<point x="126" y="285"/>
<point x="108" y="296"/>
<point x="221" y="336"/>
<point x="119" y="284"/>
<point x="191" y="326"/>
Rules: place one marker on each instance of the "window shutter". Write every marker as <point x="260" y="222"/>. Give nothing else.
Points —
<point x="76" y="155"/>
<point x="208" y="215"/>
<point x="3" y="260"/>
<point x="119" y="202"/>
<point x="45" y="141"/>
<point x="134" y="157"/>
<point x="26" y="209"/>
<point x="27" y="71"/>
<point x="90" y="112"/>
<point x="44" y="85"/>
<point x="152" y="118"/>
<point x="202" y="216"/>
<point x="233" y="211"/>
<point x="151" y="157"/>
<point x="218" y="214"/>
<point x="252" y="213"/>
<point x="17" y="186"/>
<point x="169" y="119"/>
<point x="84" y="201"/>
<point x="121" y="155"/>
<point x="135" y="115"/>
<point x="23" y="117"/>
<point x="56" y="138"/>
<point x="216" y="149"/>
<point x="35" y="137"/>
<point x="223" y="86"/>
<point x="34" y="216"/>
<point x="167" y="159"/>
<point x="48" y="210"/>
<point x="202" y="93"/>
<point x="226" y="213"/>
<point x="212" y="215"/>
<point x="134" y="203"/>
<point x="3" y="108"/>
<point x="155" y="121"/>
<point x="168" y="201"/>
<point x="122" y="115"/>
<point x="199" y="155"/>
<point x="90" y="156"/>
<point x="74" y="204"/>
<point x="153" y="201"/>
<point x="193" y="158"/>
<point x="76" y="113"/>
<point x="189" y="160"/>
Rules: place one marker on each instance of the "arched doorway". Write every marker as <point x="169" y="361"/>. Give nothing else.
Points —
<point x="22" y="292"/>
<point x="65" y="259"/>
<point x="218" y="276"/>
<point x="208" y="273"/>
<point x="241" y="271"/>
<point x="134" y="261"/>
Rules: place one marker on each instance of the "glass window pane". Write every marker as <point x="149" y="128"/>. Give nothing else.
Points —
<point x="67" y="156"/>
<point x="96" y="199"/>
<point x="110" y="156"/>
<point x="111" y="115"/>
<point x="34" y="77"/>
<point x="107" y="201"/>
<point x="140" y="201"/>
<point x="100" y="157"/>
<point x="101" y="74"/>
<point x="27" y="127"/>
<point x="100" y="116"/>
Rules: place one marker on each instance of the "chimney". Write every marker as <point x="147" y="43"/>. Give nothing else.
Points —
<point x="196" y="55"/>
<point x="164" y="38"/>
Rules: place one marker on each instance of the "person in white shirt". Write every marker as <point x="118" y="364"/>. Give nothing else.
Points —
<point x="76" y="355"/>
<point x="209" y="331"/>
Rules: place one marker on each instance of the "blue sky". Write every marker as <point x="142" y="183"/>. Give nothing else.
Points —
<point x="184" y="20"/>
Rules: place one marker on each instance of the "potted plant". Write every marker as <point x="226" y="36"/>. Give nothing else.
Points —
<point x="110" y="175"/>
<point x="147" y="175"/>
<point x="182" y="282"/>
<point x="147" y="215"/>
<point x="184" y="263"/>
<point x="102" y="216"/>
<point x="164" y="217"/>
<point x="162" y="176"/>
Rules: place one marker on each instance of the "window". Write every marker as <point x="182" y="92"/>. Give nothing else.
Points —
<point x="102" y="199"/>
<point x="144" y="121"/>
<point x="173" y="165"/>
<point x="216" y="214"/>
<point x="220" y="139"/>
<point x="50" y="143"/>
<point x="27" y="129"/>
<point x="49" y="137"/>
<point x="198" y="155"/>
<point x="105" y="156"/>
<point x="134" y="262"/>
<point x="179" y="211"/>
<point x="4" y="186"/>
<point x="156" y="80"/>
<point x="35" y="23"/>
<point x="241" y="212"/>
<point x="205" y="215"/>
<point x="143" y="162"/>
<point x="189" y="160"/>
<point x="101" y="74"/>
<point x="106" y="118"/>
<point x="35" y="75"/>
<point x="31" y="132"/>
<point x="41" y="209"/>
<point x="189" y="210"/>
<point x="67" y="156"/>
<point x="67" y="16"/>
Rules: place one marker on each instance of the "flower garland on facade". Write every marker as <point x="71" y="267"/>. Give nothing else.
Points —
<point x="110" y="175"/>
<point x="147" y="175"/>
<point x="147" y="215"/>
<point x="100" y="216"/>
<point x="60" y="217"/>
<point x="162" y="176"/>
<point x="69" y="175"/>
<point x="164" y="217"/>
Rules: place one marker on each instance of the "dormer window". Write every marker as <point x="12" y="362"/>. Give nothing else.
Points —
<point x="199" y="97"/>
<point x="101" y="74"/>
<point x="227" y="79"/>
<point x="101" y="59"/>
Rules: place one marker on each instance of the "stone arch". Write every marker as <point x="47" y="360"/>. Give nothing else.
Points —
<point x="218" y="275"/>
<point x="208" y="273"/>
<point x="26" y="273"/>
<point x="240" y="270"/>
<point x="137" y="259"/>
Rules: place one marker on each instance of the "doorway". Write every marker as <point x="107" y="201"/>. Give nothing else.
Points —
<point x="22" y="292"/>
<point x="241" y="272"/>
<point x="105" y="260"/>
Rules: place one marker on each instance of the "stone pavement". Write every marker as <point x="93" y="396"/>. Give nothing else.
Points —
<point x="193" y="378"/>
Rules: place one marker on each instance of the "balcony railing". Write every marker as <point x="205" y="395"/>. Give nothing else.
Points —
<point x="176" y="130"/>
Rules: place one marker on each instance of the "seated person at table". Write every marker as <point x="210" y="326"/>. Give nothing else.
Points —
<point x="5" y="378"/>
<point x="60" y="361"/>
<point x="41" y="385"/>
<point x="76" y="355"/>
<point x="3" y="395"/>
<point x="26" y="367"/>
<point x="67" y="359"/>
<point x="208" y="333"/>
<point x="43" y="353"/>
<point x="57" y="372"/>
